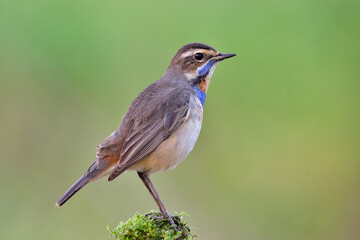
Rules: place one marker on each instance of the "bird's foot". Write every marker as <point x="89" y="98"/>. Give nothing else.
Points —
<point x="167" y="216"/>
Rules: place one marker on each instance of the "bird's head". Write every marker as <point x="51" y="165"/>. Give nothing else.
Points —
<point x="196" y="62"/>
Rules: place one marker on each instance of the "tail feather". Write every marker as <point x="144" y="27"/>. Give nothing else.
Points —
<point x="97" y="170"/>
<point x="81" y="182"/>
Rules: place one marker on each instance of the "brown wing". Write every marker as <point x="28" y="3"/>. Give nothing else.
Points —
<point x="149" y="130"/>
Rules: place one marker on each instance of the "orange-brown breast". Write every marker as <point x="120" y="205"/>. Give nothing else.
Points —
<point x="203" y="85"/>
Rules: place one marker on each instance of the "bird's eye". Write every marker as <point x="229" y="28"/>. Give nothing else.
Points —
<point x="198" y="56"/>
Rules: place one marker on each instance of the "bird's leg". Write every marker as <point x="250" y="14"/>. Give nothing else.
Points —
<point x="146" y="180"/>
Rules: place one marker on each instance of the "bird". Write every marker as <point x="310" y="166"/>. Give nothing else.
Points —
<point x="161" y="126"/>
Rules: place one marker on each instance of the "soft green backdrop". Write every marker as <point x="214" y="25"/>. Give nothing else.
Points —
<point x="278" y="156"/>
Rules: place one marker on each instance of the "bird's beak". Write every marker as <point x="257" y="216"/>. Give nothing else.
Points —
<point x="222" y="56"/>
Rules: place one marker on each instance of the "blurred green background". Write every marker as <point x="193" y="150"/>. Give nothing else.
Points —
<point x="278" y="155"/>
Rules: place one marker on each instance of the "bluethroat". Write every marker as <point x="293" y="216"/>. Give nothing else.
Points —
<point x="162" y="124"/>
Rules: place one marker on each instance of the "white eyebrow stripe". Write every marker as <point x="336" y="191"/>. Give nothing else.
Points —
<point x="186" y="54"/>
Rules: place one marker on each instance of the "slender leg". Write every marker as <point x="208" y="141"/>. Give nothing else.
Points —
<point x="146" y="180"/>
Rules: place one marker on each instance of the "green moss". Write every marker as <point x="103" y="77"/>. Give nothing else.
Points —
<point x="144" y="227"/>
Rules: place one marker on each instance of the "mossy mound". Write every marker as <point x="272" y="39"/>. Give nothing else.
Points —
<point x="144" y="227"/>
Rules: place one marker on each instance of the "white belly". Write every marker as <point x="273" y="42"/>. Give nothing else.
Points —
<point x="174" y="149"/>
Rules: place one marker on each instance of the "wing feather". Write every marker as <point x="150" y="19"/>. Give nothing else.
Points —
<point x="148" y="133"/>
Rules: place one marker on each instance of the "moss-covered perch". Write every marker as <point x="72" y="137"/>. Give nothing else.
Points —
<point x="144" y="227"/>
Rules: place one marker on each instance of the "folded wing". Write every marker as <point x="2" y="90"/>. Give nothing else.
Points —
<point x="148" y="129"/>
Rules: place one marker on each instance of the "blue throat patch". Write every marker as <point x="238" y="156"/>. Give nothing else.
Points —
<point x="200" y="94"/>
<point x="206" y="68"/>
<point x="202" y="72"/>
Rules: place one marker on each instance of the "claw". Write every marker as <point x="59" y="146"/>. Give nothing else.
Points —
<point x="160" y="216"/>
